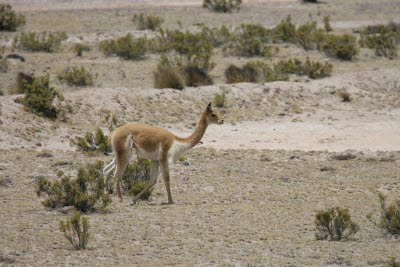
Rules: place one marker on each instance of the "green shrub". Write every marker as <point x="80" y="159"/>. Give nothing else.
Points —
<point x="216" y="36"/>
<point x="82" y="193"/>
<point x="222" y="5"/>
<point x="392" y="263"/>
<point x="126" y="47"/>
<point x="3" y="60"/>
<point x="327" y="24"/>
<point x="334" y="224"/>
<point x="9" y="21"/>
<point x="219" y="99"/>
<point x="35" y="42"/>
<point x="382" y="38"/>
<point x="285" y="31"/>
<point x="76" y="230"/>
<point x="76" y="76"/>
<point x="80" y="48"/>
<point x="390" y="216"/>
<point x="39" y="98"/>
<point x="340" y="46"/>
<point x="135" y="178"/>
<point x="92" y="143"/>
<point x="195" y="76"/>
<point x="168" y="77"/>
<point x="194" y="48"/>
<point x="309" y="37"/>
<point x="282" y="69"/>
<point x="247" y="73"/>
<point x="144" y="22"/>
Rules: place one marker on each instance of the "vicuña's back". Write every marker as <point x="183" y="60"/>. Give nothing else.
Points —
<point x="156" y="144"/>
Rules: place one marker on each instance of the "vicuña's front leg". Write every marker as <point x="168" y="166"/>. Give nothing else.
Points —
<point x="154" y="171"/>
<point x="165" y="174"/>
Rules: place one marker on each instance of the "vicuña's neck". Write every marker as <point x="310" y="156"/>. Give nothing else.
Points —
<point x="196" y="136"/>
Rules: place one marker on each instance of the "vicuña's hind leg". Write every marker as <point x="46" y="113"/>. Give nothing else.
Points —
<point x="154" y="171"/>
<point x="109" y="168"/>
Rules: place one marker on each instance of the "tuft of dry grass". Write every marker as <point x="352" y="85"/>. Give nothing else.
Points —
<point x="168" y="77"/>
<point x="345" y="95"/>
<point x="234" y="74"/>
<point x="195" y="76"/>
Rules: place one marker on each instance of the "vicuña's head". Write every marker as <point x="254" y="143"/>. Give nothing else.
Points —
<point x="212" y="116"/>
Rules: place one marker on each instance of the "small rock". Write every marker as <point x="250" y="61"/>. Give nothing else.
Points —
<point x="61" y="163"/>
<point x="5" y="181"/>
<point x="282" y="114"/>
<point x="265" y="158"/>
<point x="186" y="163"/>
<point x="45" y="155"/>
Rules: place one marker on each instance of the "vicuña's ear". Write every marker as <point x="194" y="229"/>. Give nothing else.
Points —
<point x="209" y="106"/>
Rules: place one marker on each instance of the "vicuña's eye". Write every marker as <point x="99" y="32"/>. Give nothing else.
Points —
<point x="213" y="115"/>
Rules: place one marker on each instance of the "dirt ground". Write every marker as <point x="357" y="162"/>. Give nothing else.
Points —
<point x="249" y="193"/>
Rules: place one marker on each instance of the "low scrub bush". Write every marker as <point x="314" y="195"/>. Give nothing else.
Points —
<point x="76" y="76"/>
<point x="9" y="21"/>
<point x="285" y="31"/>
<point x="282" y="69"/>
<point x="36" y="42"/>
<point x="40" y="97"/>
<point x="392" y="263"/>
<point x="327" y="24"/>
<point x="390" y="216"/>
<point x="91" y="143"/>
<point x="193" y="48"/>
<point x="80" y="48"/>
<point x="82" y="193"/>
<point x="166" y="76"/>
<point x="247" y="73"/>
<point x="125" y="47"/>
<point x="135" y="178"/>
<point x="222" y="5"/>
<point x="76" y="230"/>
<point x="334" y="224"/>
<point x="382" y="38"/>
<point x="144" y="22"/>
<point x="340" y="46"/>
<point x="195" y="76"/>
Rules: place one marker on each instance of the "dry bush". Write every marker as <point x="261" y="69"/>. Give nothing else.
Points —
<point x="390" y="216"/>
<point x="149" y="22"/>
<point x="22" y="80"/>
<point x="80" y="48"/>
<point x="247" y="73"/>
<point x="76" y="76"/>
<point x="345" y="95"/>
<point x="135" y="178"/>
<point x="340" y="46"/>
<point x="168" y="77"/>
<point x="125" y="47"/>
<point x="222" y="5"/>
<point x="3" y="60"/>
<point x="219" y="99"/>
<point x="35" y="42"/>
<point x="195" y="76"/>
<point x="91" y="143"/>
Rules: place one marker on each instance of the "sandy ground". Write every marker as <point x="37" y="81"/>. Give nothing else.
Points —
<point x="248" y="194"/>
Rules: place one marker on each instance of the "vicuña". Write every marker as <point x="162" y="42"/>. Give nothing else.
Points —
<point x="158" y="145"/>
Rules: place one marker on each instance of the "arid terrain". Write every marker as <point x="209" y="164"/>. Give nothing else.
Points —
<point x="248" y="194"/>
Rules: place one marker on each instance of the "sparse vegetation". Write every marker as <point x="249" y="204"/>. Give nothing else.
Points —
<point x="76" y="76"/>
<point x="80" y="48"/>
<point x="82" y="193"/>
<point x="195" y="76"/>
<point x="392" y="263"/>
<point x="125" y="47"/>
<point x="222" y="5"/>
<point x="135" y="178"/>
<point x="3" y="60"/>
<point x="9" y="21"/>
<point x="36" y="42"/>
<point x="334" y="224"/>
<point x="382" y="38"/>
<point x="39" y="98"/>
<point x="76" y="230"/>
<point x="247" y="73"/>
<point x="92" y="143"/>
<point x="145" y="22"/>
<point x="327" y="24"/>
<point x="390" y="216"/>
<point x="219" y="99"/>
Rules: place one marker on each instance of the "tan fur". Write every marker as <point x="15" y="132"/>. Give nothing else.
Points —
<point x="155" y="144"/>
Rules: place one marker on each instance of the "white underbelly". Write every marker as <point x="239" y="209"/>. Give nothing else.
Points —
<point x="154" y="155"/>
